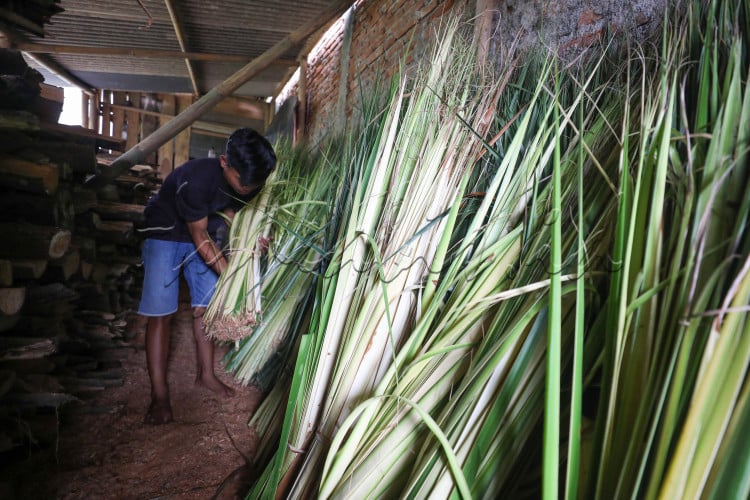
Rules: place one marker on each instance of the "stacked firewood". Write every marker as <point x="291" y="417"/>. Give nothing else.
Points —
<point x="30" y="15"/>
<point x="70" y="271"/>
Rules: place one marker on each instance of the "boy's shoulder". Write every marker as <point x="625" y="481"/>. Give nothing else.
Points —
<point x="199" y="167"/>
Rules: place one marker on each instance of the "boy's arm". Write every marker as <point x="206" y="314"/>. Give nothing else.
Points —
<point x="207" y="248"/>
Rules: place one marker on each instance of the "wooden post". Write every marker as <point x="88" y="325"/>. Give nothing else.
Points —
<point x="484" y="27"/>
<point x="133" y="120"/>
<point x="299" y="129"/>
<point x="172" y="128"/>
<point x="346" y="46"/>
<point x="118" y="115"/>
<point x="166" y="151"/>
<point x="106" y="112"/>
<point x="94" y="112"/>
<point x="85" y="118"/>
<point x="182" y="141"/>
<point x="149" y="124"/>
<point x="269" y="113"/>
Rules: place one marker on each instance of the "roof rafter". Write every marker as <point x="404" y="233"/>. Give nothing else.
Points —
<point x="44" y="48"/>
<point x="178" y="31"/>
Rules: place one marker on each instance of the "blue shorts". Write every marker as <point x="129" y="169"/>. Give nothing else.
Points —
<point x="162" y="263"/>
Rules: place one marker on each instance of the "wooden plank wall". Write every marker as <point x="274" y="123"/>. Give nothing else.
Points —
<point x="123" y="116"/>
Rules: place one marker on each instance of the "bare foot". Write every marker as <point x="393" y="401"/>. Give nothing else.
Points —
<point x="159" y="412"/>
<point x="213" y="384"/>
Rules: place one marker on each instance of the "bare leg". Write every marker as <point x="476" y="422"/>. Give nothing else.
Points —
<point x="157" y="353"/>
<point x="205" y="375"/>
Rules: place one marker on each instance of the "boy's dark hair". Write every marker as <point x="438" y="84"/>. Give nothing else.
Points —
<point x="251" y="155"/>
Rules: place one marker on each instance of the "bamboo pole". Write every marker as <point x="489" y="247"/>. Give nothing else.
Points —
<point x="151" y="143"/>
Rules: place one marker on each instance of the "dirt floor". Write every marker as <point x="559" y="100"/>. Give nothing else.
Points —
<point x="110" y="453"/>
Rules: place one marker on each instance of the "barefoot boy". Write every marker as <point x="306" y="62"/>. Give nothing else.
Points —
<point x="181" y="225"/>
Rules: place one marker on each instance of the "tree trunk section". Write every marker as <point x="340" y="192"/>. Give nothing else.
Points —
<point x="66" y="266"/>
<point x="109" y="210"/>
<point x="28" y="269"/>
<point x="47" y="210"/>
<point x="6" y="272"/>
<point x="27" y="176"/>
<point x="29" y="241"/>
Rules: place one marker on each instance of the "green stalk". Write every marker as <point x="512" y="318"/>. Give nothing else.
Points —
<point x="552" y="401"/>
<point x="576" y="398"/>
<point x="706" y="423"/>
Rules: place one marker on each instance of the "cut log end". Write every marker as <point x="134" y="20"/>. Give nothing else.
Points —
<point x="59" y="244"/>
<point x="11" y="300"/>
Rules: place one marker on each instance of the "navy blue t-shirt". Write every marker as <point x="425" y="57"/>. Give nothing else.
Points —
<point x="194" y="190"/>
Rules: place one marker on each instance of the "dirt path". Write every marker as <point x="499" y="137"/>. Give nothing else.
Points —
<point x="114" y="455"/>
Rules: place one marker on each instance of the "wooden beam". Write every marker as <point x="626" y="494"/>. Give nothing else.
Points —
<point x="253" y="109"/>
<point x="218" y="128"/>
<point x="224" y="89"/>
<point x="230" y="106"/>
<point x="43" y="48"/>
<point x="61" y="73"/>
<point x="214" y="129"/>
<point x="9" y="36"/>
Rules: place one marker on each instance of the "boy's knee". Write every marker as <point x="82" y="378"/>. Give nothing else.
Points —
<point x="198" y="312"/>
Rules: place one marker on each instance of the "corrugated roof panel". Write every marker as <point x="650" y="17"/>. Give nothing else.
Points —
<point x="109" y="33"/>
<point x="118" y="64"/>
<point x="224" y="27"/>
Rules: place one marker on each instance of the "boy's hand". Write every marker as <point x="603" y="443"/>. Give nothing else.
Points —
<point x="264" y="243"/>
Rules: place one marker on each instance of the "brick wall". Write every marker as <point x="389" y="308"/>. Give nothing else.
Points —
<point x="382" y="30"/>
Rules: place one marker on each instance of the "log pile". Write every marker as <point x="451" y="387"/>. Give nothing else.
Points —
<point x="30" y="15"/>
<point x="70" y="272"/>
